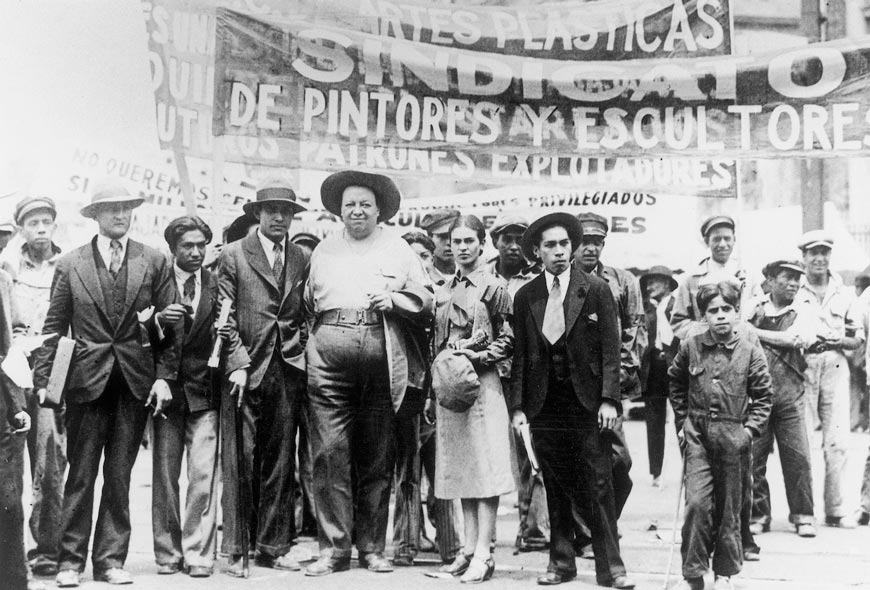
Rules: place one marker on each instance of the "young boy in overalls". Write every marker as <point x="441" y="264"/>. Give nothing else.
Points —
<point x="720" y="392"/>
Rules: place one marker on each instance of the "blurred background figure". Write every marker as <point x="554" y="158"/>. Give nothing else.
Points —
<point x="7" y="230"/>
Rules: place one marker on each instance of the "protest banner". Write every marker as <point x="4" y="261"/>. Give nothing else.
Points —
<point x="333" y="98"/>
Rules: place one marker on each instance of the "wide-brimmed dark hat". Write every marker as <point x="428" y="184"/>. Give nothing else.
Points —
<point x="569" y="222"/>
<point x="238" y="229"/>
<point x="110" y="193"/>
<point x="274" y="190"/>
<point x="386" y="192"/>
<point x="659" y="271"/>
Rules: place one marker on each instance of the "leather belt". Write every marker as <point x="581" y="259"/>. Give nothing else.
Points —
<point x="715" y="415"/>
<point x="350" y="317"/>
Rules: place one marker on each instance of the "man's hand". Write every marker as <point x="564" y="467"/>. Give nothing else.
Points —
<point x="170" y="314"/>
<point x="41" y="393"/>
<point x="224" y="332"/>
<point x="429" y="412"/>
<point x="22" y="421"/>
<point x="607" y="415"/>
<point x="239" y="381"/>
<point x="475" y="357"/>
<point x="160" y="397"/>
<point x="681" y="439"/>
<point x="380" y="301"/>
<point x="517" y="420"/>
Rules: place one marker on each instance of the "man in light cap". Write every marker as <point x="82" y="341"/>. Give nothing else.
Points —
<point x="827" y="375"/>
<point x="32" y="267"/>
<point x="633" y="339"/>
<point x="263" y="274"/>
<point x="435" y="224"/>
<point x="511" y="266"/>
<point x="100" y="293"/>
<point x="718" y="234"/>
<point x="785" y="330"/>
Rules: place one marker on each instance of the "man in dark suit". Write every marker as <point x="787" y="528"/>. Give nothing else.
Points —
<point x="263" y="275"/>
<point x="192" y="418"/>
<point x="565" y="385"/>
<point x="99" y="293"/>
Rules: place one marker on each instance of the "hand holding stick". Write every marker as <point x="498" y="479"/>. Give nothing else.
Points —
<point x="224" y="316"/>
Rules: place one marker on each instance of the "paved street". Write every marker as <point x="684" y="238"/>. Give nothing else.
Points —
<point x="836" y="559"/>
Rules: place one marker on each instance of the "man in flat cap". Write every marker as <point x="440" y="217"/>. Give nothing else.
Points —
<point x="827" y="375"/>
<point x="718" y="233"/>
<point x="785" y="330"/>
<point x="633" y="338"/>
<point x="511" y="266"/>
<point x="263" y="274"/>
<point x="435" y="224"/>
<point x="32" y="268"/>
<point x="99" y="293"/>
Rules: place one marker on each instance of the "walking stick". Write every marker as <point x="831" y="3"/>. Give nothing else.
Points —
<point x="676" y="521"/>
<point x="242" y="520"/>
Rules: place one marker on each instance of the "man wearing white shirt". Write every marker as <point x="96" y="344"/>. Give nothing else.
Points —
<point x="191" y="422"/>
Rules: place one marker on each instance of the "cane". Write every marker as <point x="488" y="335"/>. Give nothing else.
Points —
<point x="676" y="521"/>
<point x="243" y="518"/>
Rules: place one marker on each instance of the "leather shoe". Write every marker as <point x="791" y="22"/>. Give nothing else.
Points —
<point x="67" y="579"/>
<point x="751" y="555"/>
<point x="805" y="529"/>
<point x="862" y="518"/>
<point x="199" y="571"/>
<point x="375" y="562"/>
<point x="166" y="569"/>
<point x="723" y="583"/>
<point x="554" y="579"/>
<point x="43" y="568"/>
<point x="281" y="562"/>
<point x="114" y="575"/>
<point x="403" y="560"/>
<point x="235" y="567"/>
<point x="757" y="528"/>
<point x="841" y="522"/>
<point x="327" y="565"/>
<point x="619" y="582"/>
<point x="426" y="545"/>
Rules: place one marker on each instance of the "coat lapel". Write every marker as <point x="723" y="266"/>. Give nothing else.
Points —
<point x="578" y="287"/>
<point x="288" y="276"/>
<point x="136" y="267"/>
<point x="538" y="302"/>
<point x="202" y="309"/>
<point x="87" y="271"/>
<point x="257" y="259"/>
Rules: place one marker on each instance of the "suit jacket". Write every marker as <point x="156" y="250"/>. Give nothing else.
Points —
<point x="77" y="305"/>
<point x="194" y="376"/>
<point x="592" y="334"/>
<point x="263" y="313"/>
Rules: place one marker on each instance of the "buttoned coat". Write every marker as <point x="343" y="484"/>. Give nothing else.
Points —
<point x="78" y="306"/>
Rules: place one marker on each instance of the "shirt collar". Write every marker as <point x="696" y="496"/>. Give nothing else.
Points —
<point x="710" y="342"/>
<point x="182" y="275"/>
<point x="105" y="242"/>
<point x="471" y="278"/>
<point x="269" y="245"/>
<point x="563" y="278"/>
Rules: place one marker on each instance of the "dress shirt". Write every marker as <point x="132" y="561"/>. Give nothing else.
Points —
<point x="181" y="277"/>
<point x="564" y="278"/>
<point x="838" y="311"/>
<point x="104" y="247"/>
<point x="269" y="247"/>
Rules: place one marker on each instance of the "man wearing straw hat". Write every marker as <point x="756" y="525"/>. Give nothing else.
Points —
<point x="263" y="275"/>
<point x="99" y="293"/>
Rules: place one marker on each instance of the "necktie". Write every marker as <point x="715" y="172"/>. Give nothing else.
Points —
<point x="187" y="295"/>
<point x="278" y="265"/>
<point x="554" y="316"/>
<point x="115" y="259"/>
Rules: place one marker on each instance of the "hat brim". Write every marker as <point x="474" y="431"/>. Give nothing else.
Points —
<point x="569" y="222"/>
<point x="495" y="233"/>
<point x="815" y="243"/>
<point x="671" y="280"/>
<point x="386" y="192"/>
<point x="254" y="206"/>
<point x="773" y="269"/>
<point x="91" y="209"/>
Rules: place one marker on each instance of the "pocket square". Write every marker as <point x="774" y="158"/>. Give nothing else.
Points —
<point x="593" y="317"/>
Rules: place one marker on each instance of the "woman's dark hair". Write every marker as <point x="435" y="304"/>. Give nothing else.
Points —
<point x="416" y="237"/>
<point x="182" y="225"/>
<point x="729" y="292"/>
<point x="473" y="223"/>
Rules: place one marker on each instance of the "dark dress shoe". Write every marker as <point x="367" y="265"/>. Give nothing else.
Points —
<point x="863" y="518"/>
<point x="375" y="562"/>
<point x="554" y="579"/>
<point x="199" y="571"/>
<point x="619" y="582"/>
<point x="328" y="565"/>
<point x="403" y="561"/>
<point x="280" y="562"/>
<point x="166" y="569"/>
<point x="44" y="568"/>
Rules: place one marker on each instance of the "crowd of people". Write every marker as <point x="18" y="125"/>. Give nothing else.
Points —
<point x="342" y="371"/>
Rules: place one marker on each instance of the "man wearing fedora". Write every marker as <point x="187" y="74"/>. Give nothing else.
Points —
<point x="785" y="330"/>
<point x="369" y="301"/>
<point x="657" y="286"/>
<point x="97" y="294"/>
<point x="435" y="224"/>
<point x="565" y="385"/>
<point x="263" y="275"/>
<point x="32" y="268"/>
<point x="833" y="307"/>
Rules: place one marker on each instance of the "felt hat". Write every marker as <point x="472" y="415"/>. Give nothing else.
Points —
<point x="531" y="236"/>
<point x="274" y="190"/>
<point x="386" y="192"/>
<point x="109" y="193"/>
<point x="658" y="271"/>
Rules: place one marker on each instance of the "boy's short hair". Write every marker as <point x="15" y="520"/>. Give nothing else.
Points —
<point x="726" y="289"/>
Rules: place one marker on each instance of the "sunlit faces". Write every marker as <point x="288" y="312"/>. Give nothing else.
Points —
<point x="554" y="249"/>
<point x="190" y="250"/>
<point x="721" y="316"/>
<point x="817" y="260"/>
<point x="38" y="228"/>
<point x="359" y="211"/>
<point x="114" y="219"/>
<point x="508" y="246"/>
<point x="589" y="252"/>
<point x="442" y="247"/>
<point x="720" y="240"/>
<point x="275" y="218"/>
<point x="466" y="246"/>
<point x="784" y="285"/>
